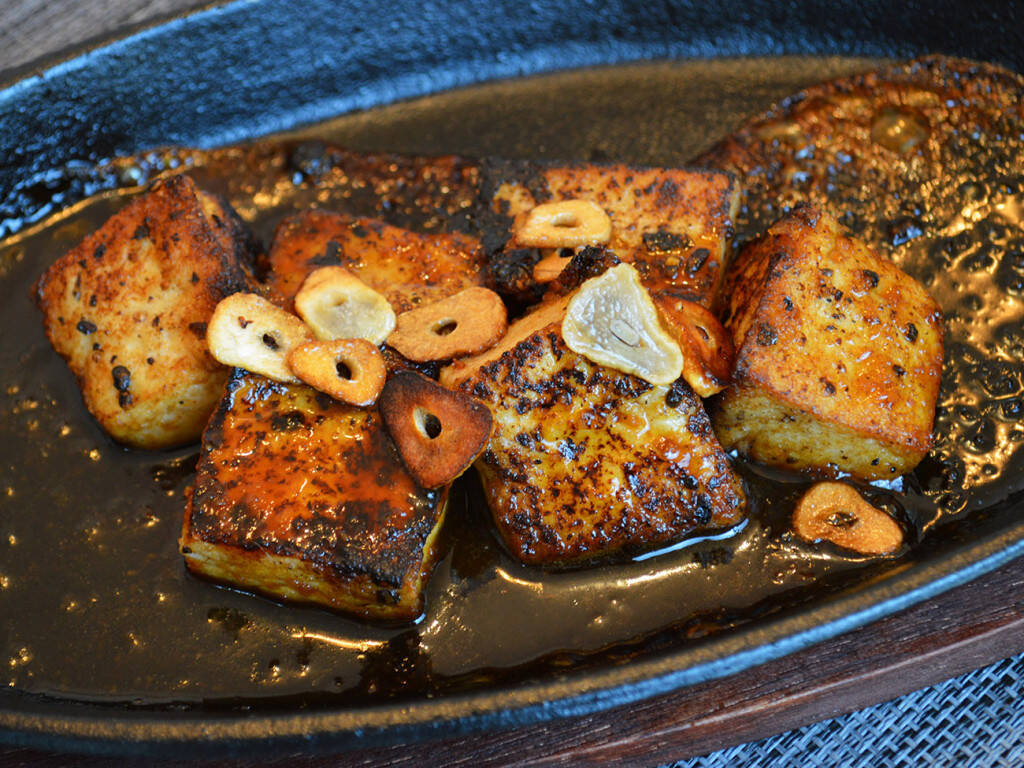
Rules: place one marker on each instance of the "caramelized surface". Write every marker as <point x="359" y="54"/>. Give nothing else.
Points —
<point x="127" y="309"/>
<point x="585" y="461"/>
<point x="410" y="269"/>
<point x="303" y="498"/>
<point x="839" y="354"/>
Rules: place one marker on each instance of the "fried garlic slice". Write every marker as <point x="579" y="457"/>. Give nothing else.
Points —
<point x="249" y="332"/>
<point x="467" y="323"/>
<point x="706" y="345"/>
<point x="612" y="321"/>
<point x="836" y="512"/>
<point x="338" y="305"/>
<point x="438" y="432"/>
<point x="565" y="224"/>
<point x="350" y="370"/>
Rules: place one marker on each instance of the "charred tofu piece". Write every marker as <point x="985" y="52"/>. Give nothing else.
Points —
<point x="408" y="268"/>
<point x="839" y="354"/>
<point x="894" y="153"/>
<point x="673" y="225"/>
<point x="585" y="461"/>
<point x="304" y="499"/>
<point x="127" y="309"/>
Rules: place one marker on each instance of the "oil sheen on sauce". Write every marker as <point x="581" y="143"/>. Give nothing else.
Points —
<point x="88" y="531"/>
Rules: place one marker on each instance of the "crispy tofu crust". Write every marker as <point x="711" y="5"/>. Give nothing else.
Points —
<point x="673" y="225"/>
<point x="304" y="499"/>
<point x="585" y="461"/>
<point x="410" y="269"/>
<point x="127" y="309"/>
<point x="839" y="354"/>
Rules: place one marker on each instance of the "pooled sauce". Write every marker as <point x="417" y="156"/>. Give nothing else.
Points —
<point x="95" y="600"/>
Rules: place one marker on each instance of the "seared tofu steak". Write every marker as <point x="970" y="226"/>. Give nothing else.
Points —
<point x="302" y="498"/>
<point x="585" y="461"/>
<point x="839" y="354"/>
<point x="408" y="268"/>
<point x="673" y="225"/>
<point x="127" y="309"/>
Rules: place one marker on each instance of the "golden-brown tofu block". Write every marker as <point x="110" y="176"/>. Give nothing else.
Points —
<point x="303" y="498"/>
<point x="585" y="461"/>
<point x="127" y="309"/>
<point x="409" y="268"/>
<point x="673" y="225"/>
<point x="839" y="354"/>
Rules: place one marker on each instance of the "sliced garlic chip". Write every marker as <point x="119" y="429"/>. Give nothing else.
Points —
<point x="837" y="513"/>
<point x="350" y="370"/>
<point x="565" y="224"/>
<point x="247" y="331"/>
<point x="612" y="321"/>
<point x="338" y="305"/>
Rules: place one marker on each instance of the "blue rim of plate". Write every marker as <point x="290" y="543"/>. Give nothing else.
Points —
<point x="332" y="58"/>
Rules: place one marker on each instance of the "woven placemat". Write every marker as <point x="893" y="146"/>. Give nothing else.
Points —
<point x="974" y="721"/>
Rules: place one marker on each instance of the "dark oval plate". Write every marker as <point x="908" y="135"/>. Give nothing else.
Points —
<point x="112" y="647"/>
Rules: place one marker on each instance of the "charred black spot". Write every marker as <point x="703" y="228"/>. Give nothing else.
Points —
<point x="195" y="278"/>
<point x="98" y="253"/>
<point x="830" y="388"/>
<point x="667" y="193"/>
<point x="199" y="329"/>
<point x="93" y="300"/>
<point x="359" y="230"/>
<point x="871" y="277"/>
<point x="124" y="399"/>
<point x="787" y="303"/>
<point x="703" y="508"/>
<point x="269" y="341"/>
<point x="899" y="370"/>
<point x="286" y="422"/>
<point x="586" y="263"/>
<point x="766" y="335"/>
<point x="910" y="332"/>
<point x="85" y="327"/>
<point x="141" y="232"/>
<point x="122" y="378"/>
<point x="330" y="257"/>
<point x="661" y="241"/>
<point x="511" y="273"/>
<point x="676" y="394"/>
<point x="569" y="449"/>
<point x="696" y="261"/>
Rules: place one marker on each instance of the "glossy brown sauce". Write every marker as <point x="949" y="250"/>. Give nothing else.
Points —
<point x="95" y="600"/>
